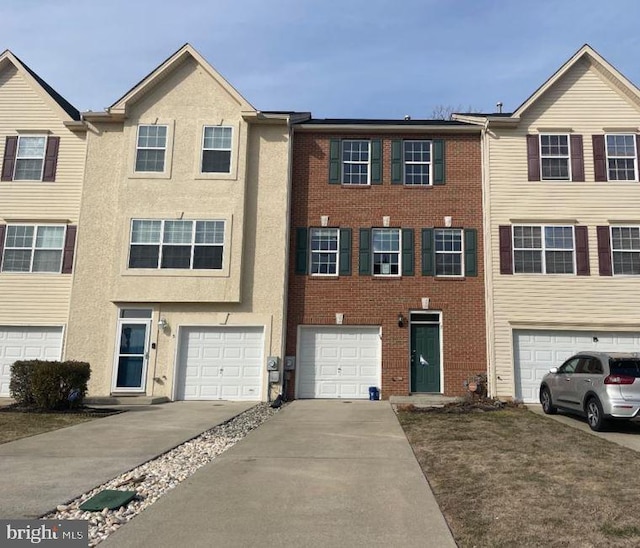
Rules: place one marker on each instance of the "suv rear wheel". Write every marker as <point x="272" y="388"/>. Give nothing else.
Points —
<point x="595" y="415"/>
<point x="545" y="400"/>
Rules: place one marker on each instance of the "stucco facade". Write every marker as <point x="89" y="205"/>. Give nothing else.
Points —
<point x="538" y="319"/>
<point x="250" y="200"/>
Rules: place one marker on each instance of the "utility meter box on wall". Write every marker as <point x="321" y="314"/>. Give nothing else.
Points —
<point x="272" y="363"/>
<point x="289" y="363"/>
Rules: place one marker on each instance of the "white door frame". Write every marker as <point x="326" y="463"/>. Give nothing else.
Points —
<point x="116" y="355"/>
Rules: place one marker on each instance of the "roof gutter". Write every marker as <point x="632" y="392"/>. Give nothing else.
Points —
<point x="359" y="128"/>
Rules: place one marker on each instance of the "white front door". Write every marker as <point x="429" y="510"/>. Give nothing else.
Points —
<point x="220" y="363"/>
<point x="536" y="351"/>
<point x="338" y="361"/>
<point x="26" y="343"/>
<point x="132" y="354"/>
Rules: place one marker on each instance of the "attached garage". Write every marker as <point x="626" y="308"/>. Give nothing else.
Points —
<point x="220" y="363"/>
<point x="536" y="351"/>
<point x="338" y="361"/>
<point x="26" y="343"/>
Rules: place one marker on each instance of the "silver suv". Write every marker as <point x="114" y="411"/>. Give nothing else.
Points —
<point x="596" y="384"/>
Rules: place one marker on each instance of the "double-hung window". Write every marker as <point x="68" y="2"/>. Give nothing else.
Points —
<point x="449" y="252"/>
<point x="151" y="148"/>
<point x="417" y="162"/>
<point x="555" y="159"/>
<point x="33" y="248"/>
<point x="543" y="249"/>
<point x="195" y="245"/>
<point x="216" y="149"/>
<point x="625" y="249"/>
<point x="324" y="251"/>
<point x="386" y="251"/>
<point x="622" y="159"/>
<point x="356" y="156"/>
<point x="30" y="158"/>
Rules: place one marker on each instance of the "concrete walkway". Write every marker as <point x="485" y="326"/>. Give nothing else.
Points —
<point x="43" y="471"/>
<point x="320" y="473"/>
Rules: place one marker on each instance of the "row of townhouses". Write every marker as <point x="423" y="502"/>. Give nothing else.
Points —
<point x="190" y="246"/>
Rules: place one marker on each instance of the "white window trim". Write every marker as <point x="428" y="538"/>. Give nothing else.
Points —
<point x="168" y="154"/>
<point x="33" y="248"/>
<point x="461" y="253"/>
<point x="635" y="158"/>
<point x="44" y="156"/>
<point x="337" y="253"/>
<point x="399" y="252"/>
<point x="230" y="150"/>
<point x="343" y="162"/>
<point x="192" y="244"/>
<point x="405" y="163"/>
<point x="568" y="156"/>
<point x="613" y="273"/>
<point x="542" y="251"/>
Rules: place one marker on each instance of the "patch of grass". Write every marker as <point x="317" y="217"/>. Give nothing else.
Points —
<point x="514" y="478"/>
<point x="14" y="426"/>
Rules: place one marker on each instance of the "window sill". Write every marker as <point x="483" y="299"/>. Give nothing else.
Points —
<point x="150" y="175"/>
<point x="175" y="273"/>
<point x="215" y="177"/>
<point x="451" y="278"/>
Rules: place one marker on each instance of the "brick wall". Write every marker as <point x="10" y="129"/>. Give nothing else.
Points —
<point x="369" y="300"/>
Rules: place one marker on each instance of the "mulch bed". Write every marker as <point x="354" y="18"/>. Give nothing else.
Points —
<point x="84" y="410"/>
<point x="468" y="405"/>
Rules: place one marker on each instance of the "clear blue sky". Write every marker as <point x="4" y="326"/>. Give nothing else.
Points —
<point x="336" y="58"/>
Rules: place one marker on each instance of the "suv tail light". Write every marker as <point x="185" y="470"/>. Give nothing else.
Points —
<point x="619" y="379"/>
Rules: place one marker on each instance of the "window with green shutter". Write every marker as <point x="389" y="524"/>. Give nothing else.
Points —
<point x="301" y="251"/>
<point x="438" y="162"/>
<point x="364" y="262"/>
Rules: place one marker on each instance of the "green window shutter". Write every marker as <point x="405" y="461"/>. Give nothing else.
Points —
<point x="396" y="162"/>
<point x="428" y="263"/>
<point x="301" y="250"/>
<point x="407" y="252"/>
<point x="470" y="252"/>
<point x="438" y="161"/>
<point x="345" y="252"/>
<point x="364" y="264"/>
<point x="334" y="162"/>
<point x="376" y="162"/>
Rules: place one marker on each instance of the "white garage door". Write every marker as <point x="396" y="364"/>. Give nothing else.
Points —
<point x="220" y="363"/>
<point x="535" y="352"/>
<point x="26" y="343"/>
<point x="338" y="362"/>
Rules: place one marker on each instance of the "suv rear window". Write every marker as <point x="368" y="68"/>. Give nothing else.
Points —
<point x="631" y="368"/>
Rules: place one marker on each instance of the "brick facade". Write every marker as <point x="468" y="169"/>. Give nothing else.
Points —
<point x="370" y="300"/>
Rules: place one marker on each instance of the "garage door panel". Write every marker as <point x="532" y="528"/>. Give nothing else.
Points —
<point x="535" y="352"/>
<point x="220" y="363"/>
<point x="338" y="361"/>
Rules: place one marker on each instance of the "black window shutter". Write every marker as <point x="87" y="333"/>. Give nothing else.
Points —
<point x="438" y="162"/>
<point x="51" y="159"/>
<point x="533" y="158"/>
<point x="604" y="251"/>
<point x="69" y="247"/>
<point x="301" y="251"/>
<point x="345" y="252"/>
<point x="470" y="252"/>
<point x="407" y="252"/>
<point x="2" y="231"/>
<point x="376" y="162"/>
<point x="396" y="162"/>
<point x="334" y="162"/>
<point x="9" y="162"/>
<point x="364" y="263"/>
<point x="428" y="260"/>
<point x="599" y="158"/>
<point x="506" y="261"/>
<point x="582" y="251"/>
<point x="577" y="158"/>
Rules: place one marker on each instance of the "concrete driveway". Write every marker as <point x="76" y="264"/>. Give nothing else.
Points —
<point x="625" y="433"/>
<point x="43" y="471"/>
<point x="319" y="473"/>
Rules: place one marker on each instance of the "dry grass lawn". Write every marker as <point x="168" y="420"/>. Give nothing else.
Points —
<point x="513" y="478"/>
<point x="14" y="426"/>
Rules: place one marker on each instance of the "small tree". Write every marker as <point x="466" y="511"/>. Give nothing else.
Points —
<point x="445" y="112"/>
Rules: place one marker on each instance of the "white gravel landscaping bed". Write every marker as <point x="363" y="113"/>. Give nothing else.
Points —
<point x="154" y="478"/>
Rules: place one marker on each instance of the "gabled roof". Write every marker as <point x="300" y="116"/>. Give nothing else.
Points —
<point x="164" y="69"/>
<point x="69" y="112"/>
<point x="586" y="52"/>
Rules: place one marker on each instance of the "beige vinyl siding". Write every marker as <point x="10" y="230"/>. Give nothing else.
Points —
<point x="585" y="102"/>
<point x="34" y="299"/>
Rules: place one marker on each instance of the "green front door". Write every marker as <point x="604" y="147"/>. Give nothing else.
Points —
<point x="425" y="358"/>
